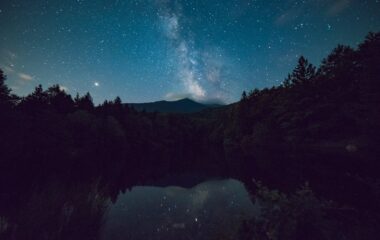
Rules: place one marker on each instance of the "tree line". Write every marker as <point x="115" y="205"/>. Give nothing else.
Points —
<point x="320" y="126"/>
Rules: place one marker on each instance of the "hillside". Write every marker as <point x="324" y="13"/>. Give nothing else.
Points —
<point x="307" y="149"/>
<point x="180" y="106"/>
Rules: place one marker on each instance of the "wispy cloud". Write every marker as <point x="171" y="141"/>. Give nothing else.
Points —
<point x="11" y="55"/>
<point x="8" y="59"/>
<point x="294" y="9"/>
<point x="7" y="69"/>
<point x="25" y="77"/>
<point x="287" y="16"/>
<point x="63" y="88"/>
<point x="14" y="87"/>
<point x="337" y="7"/>
<point x="172" y="96"/>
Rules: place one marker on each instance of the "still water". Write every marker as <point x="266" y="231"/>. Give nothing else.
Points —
<point x="209" y="210"/>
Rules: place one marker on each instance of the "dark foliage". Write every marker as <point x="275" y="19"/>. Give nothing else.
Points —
<point x="321" y="126"/>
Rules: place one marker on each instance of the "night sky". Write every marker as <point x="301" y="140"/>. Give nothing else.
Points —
<point x="148" y="50"/>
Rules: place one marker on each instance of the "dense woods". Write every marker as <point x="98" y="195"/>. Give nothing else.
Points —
<point x="320" y="127"/>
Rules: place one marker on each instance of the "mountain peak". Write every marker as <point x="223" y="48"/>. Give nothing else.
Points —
<point x="185" y="105"/>
<point x="186" y="100"/>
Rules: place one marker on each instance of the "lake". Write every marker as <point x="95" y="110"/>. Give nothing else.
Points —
<point x="209" y="210"/>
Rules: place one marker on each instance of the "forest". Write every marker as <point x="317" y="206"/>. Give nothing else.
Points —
<point x="307" y="149"/>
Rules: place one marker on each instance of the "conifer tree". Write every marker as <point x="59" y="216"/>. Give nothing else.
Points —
<point x="303" y="72"/>
<point x="4" y="90"/>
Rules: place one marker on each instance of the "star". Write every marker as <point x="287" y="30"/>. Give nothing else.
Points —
<point x="200" y="49"/>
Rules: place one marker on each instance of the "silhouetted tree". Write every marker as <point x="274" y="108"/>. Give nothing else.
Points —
<point x="35" y="102"/>
<point x="288" y="81"/>
<point x="85" y="102"/>
<point x="117" y="101"/>
<point x="305" y="130"/>
<point x="254" y="93"/>
<point x="243" y="96"/>
<point x="369" y="87"/>
<point x="5" y="98"/>
<point x="339" y="61"/>
<point x="369" y="57"/>
<point x="59" y="99"/>
<point x="303" y="73"/>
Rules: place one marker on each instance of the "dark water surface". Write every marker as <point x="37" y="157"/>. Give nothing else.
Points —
<point x="209" y="210"/>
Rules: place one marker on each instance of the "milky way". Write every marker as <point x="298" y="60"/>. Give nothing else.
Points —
<point x="147" y="50"/>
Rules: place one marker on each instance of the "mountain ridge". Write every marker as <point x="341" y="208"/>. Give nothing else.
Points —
<point x="184" y="105"/>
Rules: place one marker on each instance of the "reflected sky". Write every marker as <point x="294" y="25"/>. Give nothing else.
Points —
<point x="210" y="210"/>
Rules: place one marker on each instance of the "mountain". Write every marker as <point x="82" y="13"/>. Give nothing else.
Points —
<point x="180" y="106"/>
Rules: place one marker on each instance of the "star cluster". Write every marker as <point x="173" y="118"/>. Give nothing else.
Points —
<point x="147" y="50"/>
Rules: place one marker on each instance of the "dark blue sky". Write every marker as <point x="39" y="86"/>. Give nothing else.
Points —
<point x="147" y="50"/>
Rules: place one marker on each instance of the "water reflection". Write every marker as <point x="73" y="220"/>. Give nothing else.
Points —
<point x="54" y="212"/>
<point x="210" y="210"/>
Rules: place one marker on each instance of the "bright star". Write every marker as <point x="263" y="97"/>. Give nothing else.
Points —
<point x="96" y="84"/>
